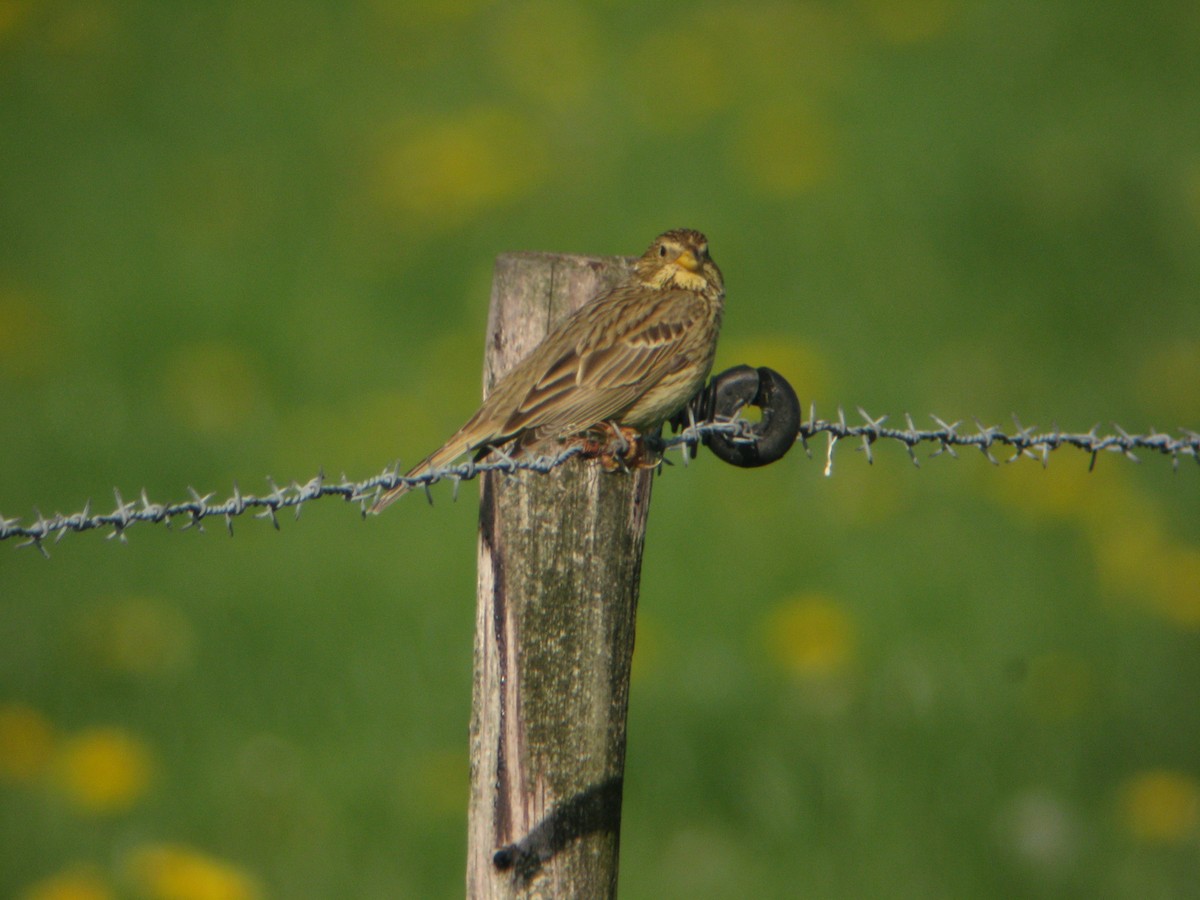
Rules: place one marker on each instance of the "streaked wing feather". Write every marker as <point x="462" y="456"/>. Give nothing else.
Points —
<point x="621" y="365"/>
<point x="590" y="408"/>
<point x="588" y="386"/>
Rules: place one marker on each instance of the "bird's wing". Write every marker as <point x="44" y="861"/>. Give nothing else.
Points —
<point x="606" y="370"/>
<point x="610" y="354"/>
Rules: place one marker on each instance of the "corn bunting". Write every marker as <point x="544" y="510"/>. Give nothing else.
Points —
<point x="628" y="359"/>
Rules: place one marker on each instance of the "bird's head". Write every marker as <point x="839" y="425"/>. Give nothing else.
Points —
<point x="679" y="259"/>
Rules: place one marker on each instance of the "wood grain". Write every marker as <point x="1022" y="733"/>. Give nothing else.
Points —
<point x="559" y="566"/>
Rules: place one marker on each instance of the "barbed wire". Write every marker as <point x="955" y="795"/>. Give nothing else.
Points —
<point x="1022" y="442"/>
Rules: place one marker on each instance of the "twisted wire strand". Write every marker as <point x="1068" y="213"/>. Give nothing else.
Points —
<point x="946" y="437"/>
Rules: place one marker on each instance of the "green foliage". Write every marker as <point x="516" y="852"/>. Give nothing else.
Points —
<point x="251" y="239"/>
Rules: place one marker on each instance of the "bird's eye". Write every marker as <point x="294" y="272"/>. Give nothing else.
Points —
<point x="662" y="249"/>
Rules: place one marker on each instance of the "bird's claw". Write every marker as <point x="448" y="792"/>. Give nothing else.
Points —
<point x="617" y="447"/>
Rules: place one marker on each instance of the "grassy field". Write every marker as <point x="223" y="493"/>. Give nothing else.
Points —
<point x="241" y="240"/>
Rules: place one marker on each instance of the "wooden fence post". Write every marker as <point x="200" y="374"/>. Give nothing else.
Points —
<point x="559" y="564"/>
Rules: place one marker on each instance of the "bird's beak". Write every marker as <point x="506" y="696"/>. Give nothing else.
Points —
<point x="687" y="259"/>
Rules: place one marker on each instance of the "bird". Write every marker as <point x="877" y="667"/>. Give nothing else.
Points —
<point x="628" y="359"/>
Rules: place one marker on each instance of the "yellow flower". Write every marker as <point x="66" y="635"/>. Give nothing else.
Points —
<point x="213" y="387"/>
<point x="910" y="21"/>
<point x="138" y="636"/>
<point x="785" y="149"/>
<point x="1167" y="376"/>
<point x="1058" y="687"/>
<point x="104" y="770"/>
<point x="798" y="360"/>
<point x="27" y="337"/>
<point x="1160" y="806"/>
<point x="548" y="50"/>
<point x="26" y="742"/>
<point x="173" y="872"/>
<point x="1174" y="576"/>
<point x="438" y="781"/>
<point x="12" y="16"/>
<point x="444" y="173"/>
<point x="79" y="882"/>
<point x="810" y="635"/>
<point x="691" y="50"/>
<point x="1136" y="556"/>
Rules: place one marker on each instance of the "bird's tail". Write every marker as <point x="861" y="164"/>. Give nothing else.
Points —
<point x="447" y="453"/>
<point x="391" y="496"/>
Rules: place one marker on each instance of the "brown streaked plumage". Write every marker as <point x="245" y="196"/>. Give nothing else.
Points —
<point x="631" y="356"/>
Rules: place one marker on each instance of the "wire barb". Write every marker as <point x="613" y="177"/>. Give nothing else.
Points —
<point x="946" y="437"/>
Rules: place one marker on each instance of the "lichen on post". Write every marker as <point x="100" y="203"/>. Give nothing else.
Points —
<point x="559" y="566"/>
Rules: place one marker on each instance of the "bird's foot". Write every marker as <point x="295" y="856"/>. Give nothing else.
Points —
<point x="617" y="447"/>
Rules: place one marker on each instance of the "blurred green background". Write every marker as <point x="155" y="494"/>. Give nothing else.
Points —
<point x="251" y="239"/>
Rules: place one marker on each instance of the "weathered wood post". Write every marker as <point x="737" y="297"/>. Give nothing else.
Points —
<point x="559" y="564"/>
